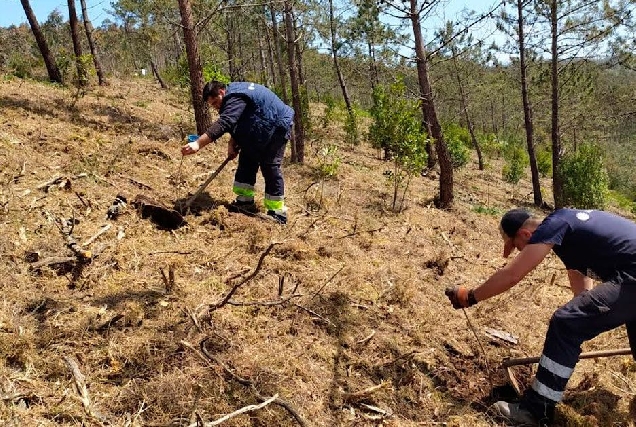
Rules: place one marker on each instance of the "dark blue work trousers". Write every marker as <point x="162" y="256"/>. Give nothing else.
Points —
<point x="605" y="307"/>
<point x="269" y="158"/>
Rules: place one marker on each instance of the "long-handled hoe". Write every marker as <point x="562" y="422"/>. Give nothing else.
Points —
<point x="507" y="364"/>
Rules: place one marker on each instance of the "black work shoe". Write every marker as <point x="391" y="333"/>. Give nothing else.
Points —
<point x="239" y="206"/>
<point x="279" y="218"/>
<point x="515" y="413"/>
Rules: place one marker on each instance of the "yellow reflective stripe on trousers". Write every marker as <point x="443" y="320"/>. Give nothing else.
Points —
<point x="273" y="205"/>
<point x="245" y="190"/>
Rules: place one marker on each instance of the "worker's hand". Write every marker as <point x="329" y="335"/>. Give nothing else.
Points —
<point x="190" y="148"/>
<point x="232" y="149"/>
<point x="460" y="296"/>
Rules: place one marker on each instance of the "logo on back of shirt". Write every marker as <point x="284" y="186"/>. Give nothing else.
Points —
<point x="583" y="215"/>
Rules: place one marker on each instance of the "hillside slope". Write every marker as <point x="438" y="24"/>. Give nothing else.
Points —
<point x="341" y="313"/>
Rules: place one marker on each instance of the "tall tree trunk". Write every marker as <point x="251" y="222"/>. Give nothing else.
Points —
<point x="49" y="61"/>
<point x="270" y="51"/>
<point x="298" y="155"/>
<point x="231" y="55"/>
<point x="194" y="64"/>
<point x="299" y="57"/>
<point x="336" y="64"/>
<point x="429" y="113"/>
<point x="373" y="67"/>
<point x="557" y="182"/>
<point x="261" y="57"/>
<point x="155" y="72"/>
<point x="279" y="56"/>
<point x="464" y="107"/>
<point x="527" y="108"/>
<point x="91" y="44"/>
<point x="82" y="75"/>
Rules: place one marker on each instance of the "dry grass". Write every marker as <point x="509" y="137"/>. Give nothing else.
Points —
<point x="368" y="307"/>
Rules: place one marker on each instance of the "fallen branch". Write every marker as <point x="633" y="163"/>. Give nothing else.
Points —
<point x="66" y="228"/>
<point x="82" y="390"/>
<point x="362" y="394"/>
<point x="327" y="282"/>
<point x="353" y="233"/>
<point x="110" y="322"/>
<point x="52" y="261"/>
<point x="366" y="339"/>
<point x="279" y="301"/>
<point x="235" y="288"/>
<point x="313" y="313"/>
<point x="235" y="413"/>
<point x="96" y="235"/>
<point x="207" y="357"/>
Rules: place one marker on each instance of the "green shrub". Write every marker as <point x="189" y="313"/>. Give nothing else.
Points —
<point x="351" y="128"/>
<point x="458" y="142"/>
<point x="516" y="159"/>
<point x="585" y="180"/>
<point x="544" y="162"/>
<point x="397" y="127"/>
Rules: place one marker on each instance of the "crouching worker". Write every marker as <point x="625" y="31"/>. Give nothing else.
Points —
<point x="259" y="124"/>
<point x="591" y="244"/>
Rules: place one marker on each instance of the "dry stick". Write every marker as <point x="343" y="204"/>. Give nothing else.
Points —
<point x="313" y="313"/>
<point x="235" y="413"/>
<point x="280" y="402"/>
<point x="353" y="233"/>
<point x="362" y="394"/>
<point x="82" y="390"/>
<point x="483" y="352"/>
<point x="327" y="282"/>
<point x="96" y="235"/>
<point x="232" y="291"/>
<point x="279" y="301"/>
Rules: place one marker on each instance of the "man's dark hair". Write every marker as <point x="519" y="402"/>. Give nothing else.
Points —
<point x="211" y="89"/>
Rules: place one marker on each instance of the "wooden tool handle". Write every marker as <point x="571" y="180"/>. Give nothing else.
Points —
<point x="589" y="355"/>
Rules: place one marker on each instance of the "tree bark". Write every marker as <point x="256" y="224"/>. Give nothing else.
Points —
<point x="82" y="75"/>
<point x="155" y="72"/>
<point x="298" y="155"/>
<point x="336" y="64"/>
<point x="464" y="107"/>
<point x="91" y="44"/>
<point x="527" y="108"/>
<point x="557" y="182"/>
<point x="201" y="115"/>
<point x="49" y="61"/>
<point x="430" y="114"/>
<point x="279" y="56"/>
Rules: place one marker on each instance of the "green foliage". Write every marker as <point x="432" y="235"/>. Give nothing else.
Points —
<point x="458" y="143"/>
<point x="516" y="159"/>
<point x="396" y="126"/>
<point x="179" y="73"/>
<point x="212" y="72"/>
<point x="329" y="161"/>
<point x="20" y="65"/>
<point x="330" y="111"/>
<point x="585" y="180"/>
<point x="491" y="145"/>
<point x="352" y="135"/>
<point x="486" y="210"/>
<point x="544" y="162"/>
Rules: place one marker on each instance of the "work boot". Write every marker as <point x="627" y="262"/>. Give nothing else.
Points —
<point x="240" y="206"/>
<point x="280" y="218"/>
<point x="515" y="413"/>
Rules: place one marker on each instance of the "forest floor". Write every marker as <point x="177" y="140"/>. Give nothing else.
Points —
<point x="341" y="314"/>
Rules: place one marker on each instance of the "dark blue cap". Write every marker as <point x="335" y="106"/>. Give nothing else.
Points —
<point x="512" y="221"/>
